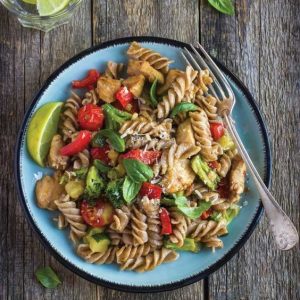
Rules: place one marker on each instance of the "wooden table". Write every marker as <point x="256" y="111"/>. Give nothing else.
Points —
<point x="261" y="44"/>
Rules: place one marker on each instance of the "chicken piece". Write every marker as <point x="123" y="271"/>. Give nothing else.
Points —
<point x="55" y="159"/>
<point x="107" y="88"/>
<point x="184" y="133"/>
<point x="237" y="178"/>
<point x="137" y="67"/>
<point x="178" y="178"/>
<point x="172" y="75"/>
<point x="47" y="190"/>
<point x="135" y="84"/>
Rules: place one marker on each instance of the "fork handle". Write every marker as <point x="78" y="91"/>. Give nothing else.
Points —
<point x="282" y="228"/>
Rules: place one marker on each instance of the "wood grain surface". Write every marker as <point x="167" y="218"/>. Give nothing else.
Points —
<point x="261" y="44"/>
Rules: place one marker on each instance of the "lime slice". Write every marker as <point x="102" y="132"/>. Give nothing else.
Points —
<point x="51" y="7"/>
<point x="41" y="130"/>
<point x="30" y="1"/>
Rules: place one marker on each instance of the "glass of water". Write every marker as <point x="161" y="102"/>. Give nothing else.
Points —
<point x="29" y="16"/>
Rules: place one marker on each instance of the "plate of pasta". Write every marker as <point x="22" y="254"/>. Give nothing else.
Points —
<point x="127" y="173"/>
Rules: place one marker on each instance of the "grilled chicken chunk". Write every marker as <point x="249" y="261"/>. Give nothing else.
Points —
<point x="185" y="134"/>
<point x="237" y="178"/>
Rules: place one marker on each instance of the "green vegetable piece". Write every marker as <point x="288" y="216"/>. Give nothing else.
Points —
<point x="153" y="100"/>
<point x="81" y="173"/>
<point x="101" y="167"/>
<point x="114" y="118"/>
<point x="216" y="216"/>
<point x="195" y="212"/>
<point x="94" y="184"/>
<point x="182" y="107"/>
<point x="114" y="138"/>
<point x="98" y="242"/>
<point x="75" y="188"/>
<point x="168" y="201"/>
<point x="188" y="245"/>
<point x="98" y="140"/>
<point x="137" y="171"/>
<point x="116" y="172"/>
<point x="47" y="277"/>
<point x="226" y="142"/>
<point x="91" y="232"/>
<point x="231" y="212"/>
<point x="205" y="173"/>
<point x="223" y="6"/>
<point x="130" y="189"/>
<point x="114" y="192"/>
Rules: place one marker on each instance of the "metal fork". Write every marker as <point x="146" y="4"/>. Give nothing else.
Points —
<point x="284" y="231"/>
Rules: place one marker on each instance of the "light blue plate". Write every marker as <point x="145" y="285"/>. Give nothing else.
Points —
<point x="189" y="267"/>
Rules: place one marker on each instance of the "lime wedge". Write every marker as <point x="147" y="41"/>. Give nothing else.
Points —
<point x="41" y="130"/>
<point x="51" y="7"/>
<point x="30" y="1"/>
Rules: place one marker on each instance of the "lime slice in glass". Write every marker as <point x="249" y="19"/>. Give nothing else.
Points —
<point x="51" y="7"/>
<point x="30" y="1"/>
<point x="41" y="129"/>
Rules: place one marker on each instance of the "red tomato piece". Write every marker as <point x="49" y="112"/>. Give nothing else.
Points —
<point x="124" y="96"/>
<point x="80" y="143"/>
<point x="152" y="191"/>
<point x="132" y="107"/>
<point x="101" y="153"/>
<point x="213" y="164"/>
<point x="147" y="157"/>
<point x="90" y="117"/>
<point x="223" y="188"/>
<point x="98" y="214"/>
<point x="166" y="226"/>
<point x="217" y="130"/>
<point x="88" y="82"/>
<point x="206" y="214"/>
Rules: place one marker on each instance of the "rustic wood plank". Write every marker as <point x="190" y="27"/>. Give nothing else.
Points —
<point x="260" y="45"/>
<point x="113" y="19"/>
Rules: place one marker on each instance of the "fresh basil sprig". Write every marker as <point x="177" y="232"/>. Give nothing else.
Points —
<point x="153" y="99"/>
<point x="137" y="171"/>
<point x="223" y="6"/>
<point x="130" y="189"/>
<point x="47" y="277"/>
<point x="114" y="138"/>
<point x="181" y="203"/>
<point x="182" y="107"/>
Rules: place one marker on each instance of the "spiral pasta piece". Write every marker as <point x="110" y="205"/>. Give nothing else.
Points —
<point x="149" y="262"/>
<point x="156" y="60"/>
<point x="139" y="226"/>
<point x="224" y="165"/>
<point x="203" y="81"/>
<point x="151" y="208"/>
<point x="115" y="237"/>
<point x="176" y="92"/>
<point x="107" y="257"/>
<point x="72" y="215"/>
<point x="209" y="105"/>
<point x="127" y="235"/>
<point x="61" y="221"/>
<point x="90" y="97"/>
<point x="120" y="219"/>
<point x="179" y="226"/>
<point x="81" y="159"/>
<point x="237" y="178"/>
<point x="113" y="69"/>
<point x="204" y="193"/>
<point x="69" y="124"/>
<point x="132" y="252"/>
<point x="201" y="230"/>
<point x="202" y="135"/>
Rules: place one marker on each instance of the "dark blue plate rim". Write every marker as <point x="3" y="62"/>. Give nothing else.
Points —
<point x="142" y="289"/>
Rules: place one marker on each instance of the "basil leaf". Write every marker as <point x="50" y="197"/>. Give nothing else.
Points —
<point x="114" y="138"/>
<point x="182" y="107"/>
<point x="137" y="171"/>
<point x="130" y="189"/>
<point x="153" y="99"/>
<point x="98" y="140"/>
<point x="224" y="6"/>
<point x="47" y="277"/>
<point x="101" y="167"/>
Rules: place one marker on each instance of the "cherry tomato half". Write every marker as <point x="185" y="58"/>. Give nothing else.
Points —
<point x="90" y="117"/>
<point x="217" y="130"/>
<point x="206" y="214"/>
<point x="147" y="157"/>
<point x="101" y="153"/>
<point x="98" y="214"/>
<point x="152" y="191"/>
<point x="124" y="96"/>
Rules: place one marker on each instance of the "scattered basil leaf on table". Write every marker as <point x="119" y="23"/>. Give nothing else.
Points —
<point x="137" y="171"/>
<point x="130" y="189"/>
<point x="224" y="6"/>
<point x="114" y="138"/>
<point x="153" y="99"/>
<point x="182" y="107"/>
<point x="47" y="277"/>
